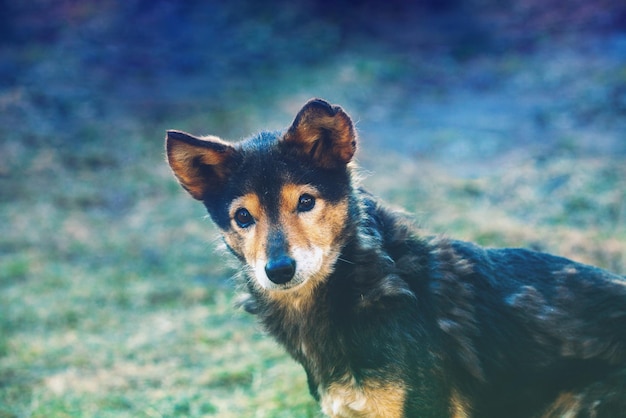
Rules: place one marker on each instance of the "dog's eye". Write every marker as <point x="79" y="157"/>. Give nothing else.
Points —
<point x="306" y="203"/>
<point x="243" y="218"/>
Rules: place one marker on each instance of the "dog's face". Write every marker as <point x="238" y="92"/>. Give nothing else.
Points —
<point x="282" y="201"/>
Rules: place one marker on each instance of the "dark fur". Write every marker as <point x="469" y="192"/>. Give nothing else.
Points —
<point x="510" y="332"/>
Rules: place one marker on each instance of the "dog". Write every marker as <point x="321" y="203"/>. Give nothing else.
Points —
<point x="389" y="323"/>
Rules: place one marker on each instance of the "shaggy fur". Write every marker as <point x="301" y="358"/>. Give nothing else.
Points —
<point x="387" y="323"/>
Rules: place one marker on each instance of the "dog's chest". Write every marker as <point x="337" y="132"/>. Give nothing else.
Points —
<point x="369" y="399"/>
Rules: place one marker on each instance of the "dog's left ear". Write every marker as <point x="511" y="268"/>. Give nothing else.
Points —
<point x="324" y="132"/>
<point x="201" y="165"/>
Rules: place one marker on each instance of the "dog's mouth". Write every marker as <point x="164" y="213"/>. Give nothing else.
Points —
<point x="290" y="271"/>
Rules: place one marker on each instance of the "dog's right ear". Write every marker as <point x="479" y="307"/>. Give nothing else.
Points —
<point x="201" y="165"/>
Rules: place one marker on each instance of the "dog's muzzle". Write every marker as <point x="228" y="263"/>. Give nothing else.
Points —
<point x="280" y="270"/>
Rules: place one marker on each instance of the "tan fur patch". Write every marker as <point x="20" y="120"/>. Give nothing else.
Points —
<point x="567" y="405"/>
<point x="459" y="407"/>
<point x="320" y="226"/>
<point x="250" y="242"/>
<point x="371" y="399"/>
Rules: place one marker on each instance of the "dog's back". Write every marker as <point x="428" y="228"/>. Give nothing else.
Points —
<point x="509" y="332"/>
<point x="532" y="334"/>
<point x="390" y="324"/>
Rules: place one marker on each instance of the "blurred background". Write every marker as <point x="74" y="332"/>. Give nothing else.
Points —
<point x="501" y="122"/>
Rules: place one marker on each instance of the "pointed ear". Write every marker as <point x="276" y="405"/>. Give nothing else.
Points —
<point x="201" y="165"/>
<point x="324" y="132"/>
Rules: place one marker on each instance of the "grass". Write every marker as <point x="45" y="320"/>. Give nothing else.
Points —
<point x="575" y="207"/>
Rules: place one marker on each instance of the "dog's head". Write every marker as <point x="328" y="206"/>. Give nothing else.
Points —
<point x="282" y="200"/>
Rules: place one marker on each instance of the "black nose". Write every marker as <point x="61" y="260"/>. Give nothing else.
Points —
<point x="280" y="270"/>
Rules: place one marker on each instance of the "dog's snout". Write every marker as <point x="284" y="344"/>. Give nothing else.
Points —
<point x="281" y="269"/>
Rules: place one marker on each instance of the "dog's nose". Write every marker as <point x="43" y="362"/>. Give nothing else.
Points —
<point x="281" y="269"/>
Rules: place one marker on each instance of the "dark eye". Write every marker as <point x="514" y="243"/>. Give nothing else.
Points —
<point x="243" y="218"/>
<point x="306" y="203"/>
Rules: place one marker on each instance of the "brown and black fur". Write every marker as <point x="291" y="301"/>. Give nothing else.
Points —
<point x="387" y="323"/>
